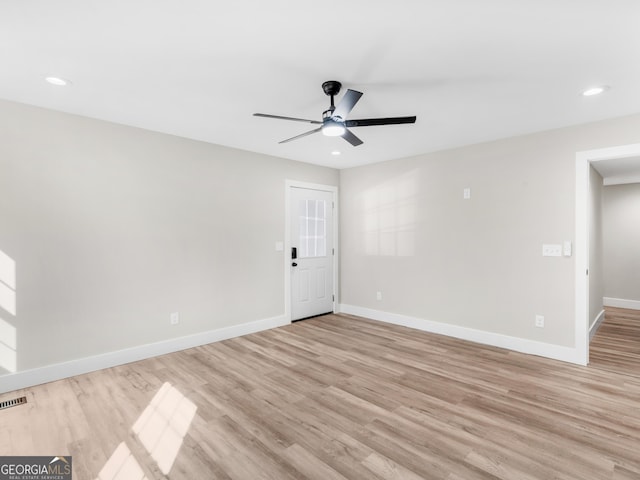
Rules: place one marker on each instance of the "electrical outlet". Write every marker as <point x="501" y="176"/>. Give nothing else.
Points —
<point x="174" y="318"/>
<point x="378" y="295"/>
<point x="540" y="321"/>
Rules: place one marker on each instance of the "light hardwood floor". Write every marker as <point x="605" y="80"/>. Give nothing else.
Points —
<point x="340" y="397"/>
<point x="616" y="345"/>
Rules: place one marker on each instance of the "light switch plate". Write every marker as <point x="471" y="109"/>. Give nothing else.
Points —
<point x="551" y="250"/>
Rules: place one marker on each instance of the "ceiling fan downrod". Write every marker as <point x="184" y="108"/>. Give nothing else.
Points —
<point x="331" y="88"/>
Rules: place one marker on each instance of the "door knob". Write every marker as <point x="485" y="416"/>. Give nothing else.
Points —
<point x="294" y="264"/>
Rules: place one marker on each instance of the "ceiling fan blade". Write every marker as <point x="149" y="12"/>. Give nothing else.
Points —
<point x="301" y="135"/>
<point x="352" y="139"/>
<point x="266" y="115"/>
<point x="366" y="122"/>
<point x="346" y="104"/>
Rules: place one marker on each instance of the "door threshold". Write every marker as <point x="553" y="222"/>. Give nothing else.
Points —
<point x="312" y="316"/>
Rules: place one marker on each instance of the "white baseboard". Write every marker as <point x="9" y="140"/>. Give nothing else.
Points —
<point x="556" y="352"/>
<point x="596" y="325"/>
<point x="50" y="373"/>
<point x="621" y="303"/>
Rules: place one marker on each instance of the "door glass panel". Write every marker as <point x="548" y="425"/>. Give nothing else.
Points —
<point x="313" y="228"/>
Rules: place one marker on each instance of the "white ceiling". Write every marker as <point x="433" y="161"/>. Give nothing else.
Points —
<point x="470" y="70"/>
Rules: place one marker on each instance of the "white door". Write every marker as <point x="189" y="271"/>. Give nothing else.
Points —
<point x="311" y="252"/>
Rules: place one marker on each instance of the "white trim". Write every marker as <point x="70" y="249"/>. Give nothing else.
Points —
<point x="621" y="303"/>
<point x="583" y="160"/>
<point x="557" y="352"/>
<point x="581" y="253"/>
<point x="596" y="325"/>
<point x="621" y="180"/>
<point x="50" y="373"/>
<point x="289" y="184"/>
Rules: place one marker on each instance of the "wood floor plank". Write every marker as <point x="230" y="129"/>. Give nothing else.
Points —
<point x="342" y="397"/>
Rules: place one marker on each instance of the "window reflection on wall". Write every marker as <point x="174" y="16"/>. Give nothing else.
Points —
<point x="8" y="336"/>
<point x="389" y="217"/>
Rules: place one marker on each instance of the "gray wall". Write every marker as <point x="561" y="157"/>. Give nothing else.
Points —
<point x="408" y="233"/>
<point x="596" y="274"/>
<point x="621" y="230"/>
<point x="112" y="228"/>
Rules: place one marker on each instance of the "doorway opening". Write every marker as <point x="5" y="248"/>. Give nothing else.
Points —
<point x="584" y="161"/>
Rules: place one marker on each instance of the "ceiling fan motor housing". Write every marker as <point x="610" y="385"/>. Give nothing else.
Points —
<point x="331" y="87"/>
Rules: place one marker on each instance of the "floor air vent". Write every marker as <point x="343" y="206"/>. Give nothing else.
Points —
<point x="13" y="402"/>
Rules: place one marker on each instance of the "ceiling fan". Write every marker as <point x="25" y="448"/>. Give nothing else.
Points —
<point x="334" y="120"/>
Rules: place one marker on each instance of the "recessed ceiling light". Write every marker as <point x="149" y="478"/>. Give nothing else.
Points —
<point x="59" y="82"/>
<point x="336" y="152"/>
<point x="590" y="92"/>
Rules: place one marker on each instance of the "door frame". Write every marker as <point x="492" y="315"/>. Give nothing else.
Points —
<point x="583" y="160"/>
<point x="289" y="184"/>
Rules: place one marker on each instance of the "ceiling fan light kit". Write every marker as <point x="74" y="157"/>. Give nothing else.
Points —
<point x="332" y="128"/>
<point x="334" y="120"/>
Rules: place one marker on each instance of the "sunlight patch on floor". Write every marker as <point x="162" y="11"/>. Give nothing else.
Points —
<point x="164" y="423"/>
<point x="161" y="429"/>
<point x="122" y="465"/>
